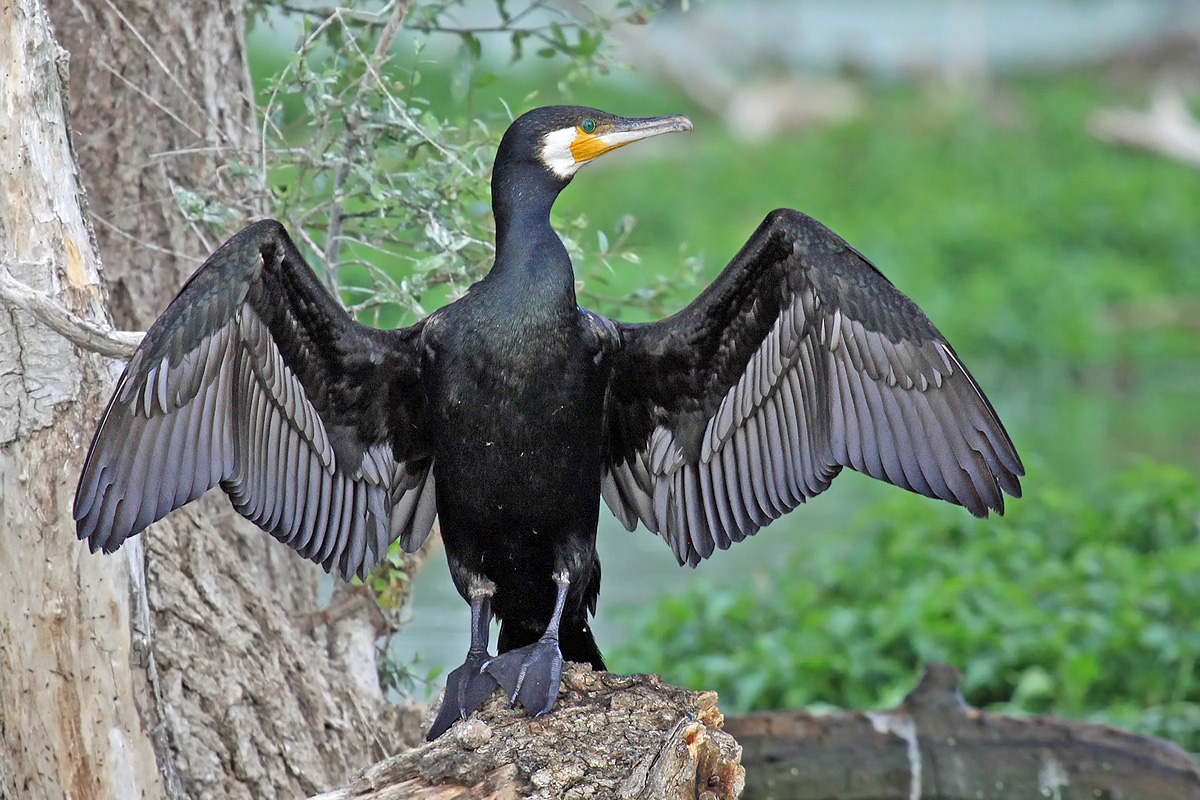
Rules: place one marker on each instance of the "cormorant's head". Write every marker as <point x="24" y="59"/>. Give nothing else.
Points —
<point x="564" y="138"/>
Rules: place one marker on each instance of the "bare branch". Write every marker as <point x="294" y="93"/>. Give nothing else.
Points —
<point x="337" y="212"/>
<point x="391" y="29"/>
<point x="333" y="236"/>
<point x="100" y="339"/>
<point x="104" y="223"/>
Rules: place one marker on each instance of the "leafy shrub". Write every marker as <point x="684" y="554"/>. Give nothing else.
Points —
<point x="1081" y="605"/>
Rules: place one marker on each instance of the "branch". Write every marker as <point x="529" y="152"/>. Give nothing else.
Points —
<point x="102" y="339"/>
<point x="399" y="12"/>
<point x="337" y="213"/>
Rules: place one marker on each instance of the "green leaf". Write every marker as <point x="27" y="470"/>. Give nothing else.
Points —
<point x="471" y="43"/>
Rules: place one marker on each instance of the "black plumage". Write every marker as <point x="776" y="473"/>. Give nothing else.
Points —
<point x="508" y="413"/>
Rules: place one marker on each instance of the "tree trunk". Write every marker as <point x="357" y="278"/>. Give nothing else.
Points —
<point x="196" y="663"/>
<point x="193" y="663"/>
<point x="161" y="106"/>
<point x="68" y="726"/>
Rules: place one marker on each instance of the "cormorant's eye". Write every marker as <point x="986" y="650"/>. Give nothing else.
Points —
<point x="588" y="125"/>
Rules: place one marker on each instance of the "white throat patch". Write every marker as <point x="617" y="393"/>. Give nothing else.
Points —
<point x="556" y="152"/>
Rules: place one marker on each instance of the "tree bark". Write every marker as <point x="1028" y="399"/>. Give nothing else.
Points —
<point x="161" y="105"/>
<point x="65" y="624"/>
<point x="194" y="663"/>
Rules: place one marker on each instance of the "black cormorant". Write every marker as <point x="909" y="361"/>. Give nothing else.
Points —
<point x="507" y="414"/>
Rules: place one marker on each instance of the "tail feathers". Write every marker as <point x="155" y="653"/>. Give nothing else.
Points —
<point x="577" y="643"/>
<point x="575" y="640"/>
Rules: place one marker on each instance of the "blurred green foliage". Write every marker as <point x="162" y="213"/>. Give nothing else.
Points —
<point x="1083" y="603"/>
<point x="1060" y="267"/>
<point x="1063" y="269"/>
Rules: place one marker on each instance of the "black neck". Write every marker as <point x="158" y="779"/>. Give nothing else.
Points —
<point x="523" y="192"/>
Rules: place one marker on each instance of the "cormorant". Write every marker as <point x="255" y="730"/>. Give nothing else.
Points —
<point x="508" y="413"/>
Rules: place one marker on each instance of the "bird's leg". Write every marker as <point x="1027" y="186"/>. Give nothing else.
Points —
<point x="468" y="686"/>
<point x="531" y="674"/>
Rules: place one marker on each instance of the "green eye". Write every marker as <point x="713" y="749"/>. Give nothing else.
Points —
<point x="588" y="126"/>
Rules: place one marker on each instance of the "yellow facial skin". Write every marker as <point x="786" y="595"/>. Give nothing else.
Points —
<point x="590" y="145"/>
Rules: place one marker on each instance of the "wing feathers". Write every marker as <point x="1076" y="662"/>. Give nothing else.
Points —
<point x="423" y="516"/>
<point x="623" y="497"/>
<point x="223" y="391"/>
<point x="742" y="525"/>
<point x="835" y="369"/>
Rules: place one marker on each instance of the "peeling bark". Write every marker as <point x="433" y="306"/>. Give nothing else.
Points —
<point x="196" y="662"/>
<point x="65" y="627"/>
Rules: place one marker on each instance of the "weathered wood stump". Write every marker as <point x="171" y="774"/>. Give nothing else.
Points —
<point x="610" y="736"/>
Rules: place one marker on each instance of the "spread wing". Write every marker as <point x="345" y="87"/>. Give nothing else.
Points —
<point x="255" y="378"/>
<point x="800" y="359"/>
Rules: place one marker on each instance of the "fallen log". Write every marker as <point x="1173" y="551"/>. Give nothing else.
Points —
<point x="935" y="746"/>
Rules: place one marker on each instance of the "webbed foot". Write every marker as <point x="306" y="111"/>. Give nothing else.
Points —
<point x="530" y="674"/>
<point x="466" y="689"/>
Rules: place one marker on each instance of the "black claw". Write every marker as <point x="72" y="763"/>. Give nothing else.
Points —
<point x="466" y="689"/>
<point x="530" y="675"/>
<point x="446" y="717"/>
